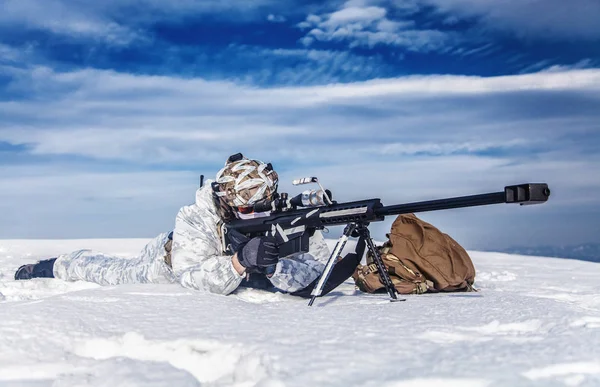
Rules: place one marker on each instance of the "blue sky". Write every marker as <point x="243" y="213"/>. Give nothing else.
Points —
<point x="110" y="110"/>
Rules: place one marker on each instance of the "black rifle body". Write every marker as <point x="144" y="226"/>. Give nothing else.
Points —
<point x="293" y="227"/>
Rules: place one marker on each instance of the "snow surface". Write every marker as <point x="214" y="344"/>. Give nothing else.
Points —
<point x="534" y="322"/>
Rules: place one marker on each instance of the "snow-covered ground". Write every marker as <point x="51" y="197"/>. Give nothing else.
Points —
<point x="534" y="322"/>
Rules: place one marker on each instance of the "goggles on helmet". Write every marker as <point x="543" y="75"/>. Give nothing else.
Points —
<point x="245" y="210"/>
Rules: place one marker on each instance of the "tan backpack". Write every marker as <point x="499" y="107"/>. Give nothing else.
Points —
<point x="419" y="258"/>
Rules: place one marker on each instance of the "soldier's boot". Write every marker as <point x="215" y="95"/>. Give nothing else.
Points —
<point x="42" y="269"/>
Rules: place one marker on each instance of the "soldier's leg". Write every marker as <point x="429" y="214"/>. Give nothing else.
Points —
<point x="93" y="266"/>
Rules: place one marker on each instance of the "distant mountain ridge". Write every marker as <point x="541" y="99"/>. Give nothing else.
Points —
<point x="586" y="252"/>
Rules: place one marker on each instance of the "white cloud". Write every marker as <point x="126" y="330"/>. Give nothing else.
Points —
<point x="81" y="111"/>
<point x="367" y="139"/>
<point x="305" y="66"/>
<point x="386" y="25"/>
<point x="239" y="8"/>
<point x="117" y="22"/>
<point x="313" y="19"/>
<point x="444" y="85"/>
<point x="406" y="6"/>
<point x="449" y="148"/>
<point x="363" y="25"/>
<point x="10" y="55"/>
<point x="64" y="18"/>
<point x="355" y="14"/>
<point x="582" y="64"/>
<point x="276" y="18"/>
<point x="368" y="23"/>
<point x="531" y="19"/>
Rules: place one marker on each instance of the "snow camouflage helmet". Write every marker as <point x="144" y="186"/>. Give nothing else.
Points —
<point x="242" y="182"/>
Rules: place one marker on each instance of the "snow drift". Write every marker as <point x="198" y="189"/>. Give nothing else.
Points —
<point x="535" y="321"/>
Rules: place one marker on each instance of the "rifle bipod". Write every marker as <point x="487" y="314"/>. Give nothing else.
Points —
<point x="362" y="231"/>
<point x="383" y="273"/>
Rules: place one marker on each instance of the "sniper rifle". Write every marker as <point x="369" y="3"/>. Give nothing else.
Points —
<point x="293" y="221"/>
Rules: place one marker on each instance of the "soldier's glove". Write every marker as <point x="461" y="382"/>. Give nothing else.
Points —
<point x="236" y="239"/>
<point x="259" y="255"/>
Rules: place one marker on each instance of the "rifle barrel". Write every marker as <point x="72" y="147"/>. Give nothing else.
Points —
<point x="531" y="193"/>
<point x="442" y="204"/>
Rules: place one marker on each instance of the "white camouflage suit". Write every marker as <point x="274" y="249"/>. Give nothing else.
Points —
<point x="197" y="258"/>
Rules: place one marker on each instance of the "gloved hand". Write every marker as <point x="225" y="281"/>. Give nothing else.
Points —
<point x="259" y="255"/>
<point x="236" y="239"/>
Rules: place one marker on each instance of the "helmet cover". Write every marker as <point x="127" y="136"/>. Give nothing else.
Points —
<point x="243" y="182"/>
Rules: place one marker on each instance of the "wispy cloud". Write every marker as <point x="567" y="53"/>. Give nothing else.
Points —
<point x="370" y="26"/>
<point x="114" y="22"/>
<point x="449" y="148"/>
<point x="533" y="19"/>
<point x="403" y="139"/>
<point x="64" y="18"/>
<point x="461" y="28"/>
<point x="9" y="54"/>
<point x="242" y="9"/>
<point x="285" y="66"/>
<point x="164" y="119"/>
<point x="276" y="18"/>
<point x="582" y="64"/>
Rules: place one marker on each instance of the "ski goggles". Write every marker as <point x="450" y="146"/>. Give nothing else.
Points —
<point x="245" y="210"/>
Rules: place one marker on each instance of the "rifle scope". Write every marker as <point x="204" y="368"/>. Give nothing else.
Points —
<point x="282" y="201"/>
